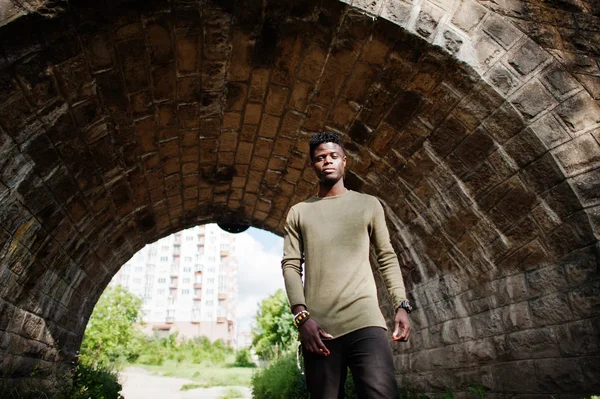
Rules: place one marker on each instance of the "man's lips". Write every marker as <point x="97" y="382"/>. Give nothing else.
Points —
<point x="329" y="170"/>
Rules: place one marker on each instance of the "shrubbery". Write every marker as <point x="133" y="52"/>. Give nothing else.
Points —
<point x="91" y="382"/>
<point x="154" y="351"/>
<point x="282" y="380"/>
<point x="243" y="358"/>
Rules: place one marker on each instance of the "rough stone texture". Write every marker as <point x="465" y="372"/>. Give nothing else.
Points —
<point x="476" y="124"/>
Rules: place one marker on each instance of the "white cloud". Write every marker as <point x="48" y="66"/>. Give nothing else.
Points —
<point x="259" y="275"/>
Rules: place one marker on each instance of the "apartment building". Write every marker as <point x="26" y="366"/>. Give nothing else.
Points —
<point x="188" y="283"/>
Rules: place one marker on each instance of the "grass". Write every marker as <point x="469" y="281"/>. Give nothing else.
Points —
<point x="204" y="375"/>
<point x="187" y="387"/>
<point x="232" y="393"/>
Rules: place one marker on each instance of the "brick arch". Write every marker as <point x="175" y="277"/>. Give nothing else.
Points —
<point x="119" y="126"/>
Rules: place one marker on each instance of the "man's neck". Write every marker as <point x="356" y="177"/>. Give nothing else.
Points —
<point x="330" y="191"/>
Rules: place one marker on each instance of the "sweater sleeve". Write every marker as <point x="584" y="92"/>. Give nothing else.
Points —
<point x="291" y="264"/>
<point x="386" y="257"/>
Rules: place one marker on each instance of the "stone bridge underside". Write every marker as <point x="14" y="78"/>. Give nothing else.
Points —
<point x="476" y="123"/>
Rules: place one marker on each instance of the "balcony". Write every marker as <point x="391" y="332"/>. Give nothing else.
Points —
<point x="170" y="319"/>
<point x="224" y="252"/>
<point x="221" y="319"/>
<point x="197" y="286"/>
<point x="222" y="296"/>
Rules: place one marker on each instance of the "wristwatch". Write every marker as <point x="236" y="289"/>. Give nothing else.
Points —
<point x="406" y="306"/>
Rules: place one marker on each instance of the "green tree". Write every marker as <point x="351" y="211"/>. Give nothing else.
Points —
<point x="110" y="336"/>
<point x="274" y="333"/>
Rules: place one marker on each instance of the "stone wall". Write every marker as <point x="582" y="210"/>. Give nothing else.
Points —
<point x="476" y="124"/>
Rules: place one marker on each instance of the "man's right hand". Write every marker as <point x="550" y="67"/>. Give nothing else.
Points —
<point x="310" y="336"/>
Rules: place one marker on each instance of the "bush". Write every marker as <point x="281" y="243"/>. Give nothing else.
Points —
<point x="95" y="383"/>
<point x="88" y="383"/>
<point x="282" y="380"/>
<point x="243" y="359"/>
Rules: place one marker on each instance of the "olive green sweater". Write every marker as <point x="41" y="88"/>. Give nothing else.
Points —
<point x="331" y="237"/>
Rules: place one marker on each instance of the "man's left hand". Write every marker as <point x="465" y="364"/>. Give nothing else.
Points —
<point x="402" y="323"/>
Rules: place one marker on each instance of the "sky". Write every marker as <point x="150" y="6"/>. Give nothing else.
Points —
<point x="259" y="271"/>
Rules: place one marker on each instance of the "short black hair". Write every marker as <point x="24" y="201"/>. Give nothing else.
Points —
<point x="325" y="137"/>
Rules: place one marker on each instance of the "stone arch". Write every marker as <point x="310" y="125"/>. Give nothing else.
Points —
<point x="124" y="123"/>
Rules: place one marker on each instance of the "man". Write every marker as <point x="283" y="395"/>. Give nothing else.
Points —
<point x="336" y="309"/>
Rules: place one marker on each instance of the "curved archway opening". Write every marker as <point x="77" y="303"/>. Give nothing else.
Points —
<point x="122" y="125"/>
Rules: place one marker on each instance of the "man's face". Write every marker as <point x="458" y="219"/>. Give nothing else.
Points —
<point x="329" y="162"/>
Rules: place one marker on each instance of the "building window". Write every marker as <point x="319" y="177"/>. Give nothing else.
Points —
<point x="210" y="303"/>
<point x="176" y="249"/>
<point x="187" y="259"/>
<point x="164" y="258"/>
<point x="165" y="248"/>
<point x="162" y="280"/>
<point x="210" y="292"/>
<point x="137" y="281"/>
<point x="210" y="280"/>
<point x="186" y="280"/>
<point x="185" y="292"/>
<point x="221" y="283"/>
<point x="187" y="269"/>
<point x="189" y="238"/>
<point x="160" y="292"/>
<point x="211" y="269"/>
<point x="139" y="269"/>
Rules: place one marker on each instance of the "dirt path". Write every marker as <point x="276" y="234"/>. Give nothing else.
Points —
<point x="141" y="384"/>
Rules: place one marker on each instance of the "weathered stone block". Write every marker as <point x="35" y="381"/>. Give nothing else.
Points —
<point x="542" y="174"/>
<point x="585" y="301"/>
<point x="501" y="30"/>
<point x="252" y="113"/>
<point x="159" y="41"/>
<point x="511" y="377"/>
<point x="276" y="100"/>
<point x="468" y="15"/>
<point x="428" y="19"/>
<point x="579" y="155"/>
<point x="189" y="89"/>
<point x="579" y="112"/>
<point x="549" y="309"/>
<point x="579" y="337"/>
<point x="502" y="78"/>
<point x="532" y="99"/>
<point x="560" y="82"/>
<point x="591" y="84"/>
<point x="187" y="51"/>
<point x="504" y="123"/>
<point x="528" y="57"/>
<point x="452" y="41"/>
<point x="396" y="11"/>
<point x="486" y="52"/>
<point x="236" y="96"/>
<point x="558" y="375"/>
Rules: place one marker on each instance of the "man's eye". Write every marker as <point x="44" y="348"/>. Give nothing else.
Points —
<point x="334" y="156"/>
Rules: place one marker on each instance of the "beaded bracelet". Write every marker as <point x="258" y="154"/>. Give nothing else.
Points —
<point x="300" y="318"/>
